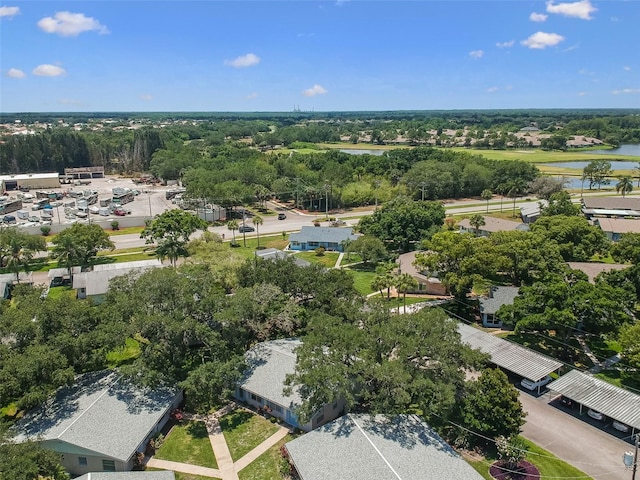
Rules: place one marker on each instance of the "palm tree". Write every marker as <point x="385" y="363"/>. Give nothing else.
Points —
<point x="66" y="252"/>
<point x="233" y="226"/>
<point x="171" y="248"/>
<point x="516" y="188"/>
<point x="257" y="221"/>
<point x="405" y="283"/>
<point x="19" y="249"/>
<point x="487" y="195"/>
<point x="385" y="277"/>
<point x="476" y="221"/>
<point x="624" y="186"/>
<point x="345" y="244"/>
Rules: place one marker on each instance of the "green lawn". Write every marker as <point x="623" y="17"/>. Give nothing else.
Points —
<point x="9" y="411"/>
<point x="328" y="260"/>
<point x="266" y="241"/>
<point x="122" y="356"/>
<point x="182" y="476"/>
<point x="620" y="379"/>
<point x="267" y="465"/>
<point x="188" y="443"/>
<point x="549" y="465"/>
<point x="244" y="431"/>
<point x="58" y="292"/>
<point x="362" y="277"/>
<point x="350" y="258"/>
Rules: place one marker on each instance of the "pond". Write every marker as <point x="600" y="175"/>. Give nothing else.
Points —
<point x="360" y="151"/>
<point x="629" y="149"/>
<point x="622" y="165"/>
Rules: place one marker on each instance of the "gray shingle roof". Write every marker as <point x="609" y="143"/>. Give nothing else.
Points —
<point x="97" y="281"/>
<point x="510" y="356"/>
<point x="499" y="296"/>
<point x="275" y="254"/>
<point x="494" y="224"/>
<point x="323" y="234"/>
<point x="614" y="402"/>
<point x="162" y="475"/>
<point x="101" y="412"/>
<point x="268" y="365"/>
<point x="616" y="203"/>
<point x="364" y="447"/>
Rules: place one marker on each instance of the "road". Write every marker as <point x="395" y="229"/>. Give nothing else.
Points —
<point x="573" y="439"/>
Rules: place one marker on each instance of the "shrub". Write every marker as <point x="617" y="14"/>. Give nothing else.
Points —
<point x="45" y="229"/>
<point x="319" y="251"/>
<point x="115" y="225"/>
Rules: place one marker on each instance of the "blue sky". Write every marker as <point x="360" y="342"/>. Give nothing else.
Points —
<point x="321" y="55"/>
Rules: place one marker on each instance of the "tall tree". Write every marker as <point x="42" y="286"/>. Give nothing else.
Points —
<point x="597" y="172"/>
<point x="170" y="231"/>
<point x="487" y="195"/>
<point x="257" y="221"/>
<point x="624" y="185"/>
<point x="405" y="283"/>
<point x="233" y="225"/>
<point x="17" y="250"/>
<point x="79" y="244"/>
<point x="476" y="221"/>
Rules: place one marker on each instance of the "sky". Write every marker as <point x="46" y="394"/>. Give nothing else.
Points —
<point x="338" y="55"/>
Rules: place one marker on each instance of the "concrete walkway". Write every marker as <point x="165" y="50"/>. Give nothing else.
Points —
<point x="227" y="469"/>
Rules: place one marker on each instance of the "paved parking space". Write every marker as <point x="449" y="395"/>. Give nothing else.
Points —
<point x="575" y="440"/>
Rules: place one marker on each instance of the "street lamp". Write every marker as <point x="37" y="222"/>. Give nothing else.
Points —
<point x="631" y="459"/>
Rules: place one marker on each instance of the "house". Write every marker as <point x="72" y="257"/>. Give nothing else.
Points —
<point x="8" y="280"/>
<point x="150" y="475"/>
<point x="263" y="384"/>
<point x="376" y="447"/>
<point x="60" y="276"/>
<point x="530" y="212"/>
<point x="619" y="207"/>
<point x="613" y="228"/>
<point x="491" y="225"/>
<point x="330" y="238"/>
<point x="427" y="283"/>
<point x="95" y="284"/>
<point x="593" y="269"/>
<point x="100" y="422"/>
<point x="275" y="254"/>
<point x="32" y="181"/>
<point x="498" y="296"/>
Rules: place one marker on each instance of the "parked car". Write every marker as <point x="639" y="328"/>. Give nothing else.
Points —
<point x="531" y="385"/>
<point x="621" y="427"/>
<point x="281" y="216"/>
<point x="9" y="219"/>
<point x="566" y="401"/>
<point x="246" y="228"/>
<point x="119" y="212"/>
<point x="595" y="414"/>
<point x="34" y="218"/>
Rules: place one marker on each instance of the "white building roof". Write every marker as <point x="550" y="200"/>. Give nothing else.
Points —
<point x="97" y="281"/>
<point x="28" y="176"/>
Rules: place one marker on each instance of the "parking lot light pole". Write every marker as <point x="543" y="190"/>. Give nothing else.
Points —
<point x="629" y="457"/>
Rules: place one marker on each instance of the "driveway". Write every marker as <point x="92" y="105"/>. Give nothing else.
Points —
<point x="584" y="446"/>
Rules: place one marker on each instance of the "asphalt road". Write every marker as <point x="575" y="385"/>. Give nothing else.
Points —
<point x="573" y="439"/>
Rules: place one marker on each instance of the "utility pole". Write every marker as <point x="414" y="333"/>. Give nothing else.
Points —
<point x="326" y="201"/>
<point x="297" y="192"/>
<point x="423" y="189"/>
<point x="629" y="457"/>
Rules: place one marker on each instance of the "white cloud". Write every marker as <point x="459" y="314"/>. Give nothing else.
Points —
<point x="315" y="90"/>
<point x="582" y="9"/>
<point x="492" y="89"/>
<point x="9" y="11"/>
<point x="582" y="94"/>
<point x="252" y="95"/>
<point x="538" y="17"/>
<point x="243" y="61"/>
<point x="626" y="69"/>
<point x="476" y="54"/>
<point x="626" y="90"/>
<point x="340" y="3"/>
<point x="571" y="48"/>
<point x="48" y="70"/>
<point x="505" y="44"/>
<point x="15" y="73"/>
<point x="542" y="40"/>
<point x="146" y="97"/>
<point x="67" y="24"/>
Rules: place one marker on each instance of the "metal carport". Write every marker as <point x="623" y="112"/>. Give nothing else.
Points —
<point x="508" y="355"/>
<point x="614" y="402"/>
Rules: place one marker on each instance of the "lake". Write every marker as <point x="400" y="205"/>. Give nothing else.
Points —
<point x="358" y="151"/>
<point x="631" y="149"/>
<point x="623" y="165"/>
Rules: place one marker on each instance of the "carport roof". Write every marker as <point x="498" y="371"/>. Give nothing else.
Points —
<point x="615" y="402"/>
<point x="508" y="355"/>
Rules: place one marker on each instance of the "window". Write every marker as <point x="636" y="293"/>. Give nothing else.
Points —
<point x="314" y="244"/>
<point x="256" y="398"/>
<point x="108" y="465"/>
<point x="82" y="461"/>
<point x="277" y="408"/>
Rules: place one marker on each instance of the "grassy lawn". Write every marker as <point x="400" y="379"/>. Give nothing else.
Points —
<point x="244" y="431"/>
<point x="9" y="411"/>
<point x="549" y="465"/>
<point x="620" y="379"/>
<point x="350" y="258"/>
<point x="125" y="231"/>
<point x="328" y="260"/>
<point x="124" y="355"/>
<point x="267" y="465"/>
<point x="182" y="476"/>
<point x="266" y="241"/>
<point x="188" y="443"/>
<point x="58" y="292"/>
<point x="362" y="277"/>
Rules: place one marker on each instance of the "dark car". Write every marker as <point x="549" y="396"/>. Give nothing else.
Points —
<point x="246" y="228"/>
<point x="9" y="219"/>
<point x="281" y="216"/>
<point x="566" y="401"/>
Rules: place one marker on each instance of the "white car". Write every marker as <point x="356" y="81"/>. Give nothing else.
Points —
<point x="595" y="414"/>
<point x="621" y="427"/>
<point x="531" y="385"/>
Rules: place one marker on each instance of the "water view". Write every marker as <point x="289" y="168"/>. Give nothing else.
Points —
<point x="615" y="166"/>
<point x="357" y="151"/>
<point x="630" y="149"/>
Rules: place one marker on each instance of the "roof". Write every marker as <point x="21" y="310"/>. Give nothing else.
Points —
<point x="275" y="254"/>
<point x="618" y="225"/>
<point x="614" y="402"/>
<point x="160" y="475"/>
<point x="97" y="281"/>
<point x="268" y="365"/>
<point x="612" y="203"/>
<point x="610" y="212"/>
<point x="376" y="447"/>
<point x="28" y="176"/>
<point x="493" y="224"/>
<point x="593" y="269"/>
<point x="63" y="272"/>
<point x="405" y="265"/>
<point x="498" y="296"/>
<point x="101" y="412"/>
<point x="323" y="234"/>
<point x="534" y="208"/>
<point x="510" y="356"/>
